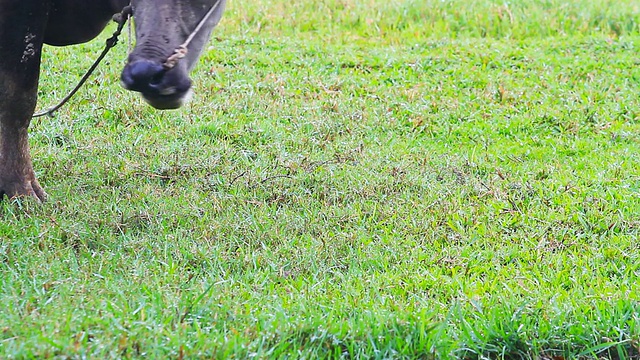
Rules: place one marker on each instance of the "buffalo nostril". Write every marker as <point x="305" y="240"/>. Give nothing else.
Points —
<point x="156" y="79"/>
<point x="142" y="76"/>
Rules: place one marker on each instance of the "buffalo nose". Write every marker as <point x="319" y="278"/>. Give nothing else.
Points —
<point x="142" y="76"/>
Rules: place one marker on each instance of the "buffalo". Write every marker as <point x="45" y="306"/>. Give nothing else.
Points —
<point x="170" y="36"/>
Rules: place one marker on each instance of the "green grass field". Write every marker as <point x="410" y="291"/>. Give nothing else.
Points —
<point x="353" y="179"/>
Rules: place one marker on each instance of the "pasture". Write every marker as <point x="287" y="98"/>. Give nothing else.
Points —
<point x="353" y="179"/>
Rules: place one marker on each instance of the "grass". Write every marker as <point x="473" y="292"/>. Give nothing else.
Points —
<point x="374" y="179"/>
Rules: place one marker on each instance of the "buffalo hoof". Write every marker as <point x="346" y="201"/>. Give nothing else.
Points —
<point x="25" y="187"/>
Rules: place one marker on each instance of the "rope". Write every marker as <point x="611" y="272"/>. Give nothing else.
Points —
<point x="182" y="50"/>
<point x="121" y="18"/>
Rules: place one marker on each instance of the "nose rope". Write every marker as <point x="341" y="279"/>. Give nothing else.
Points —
<point x="121" y="18"/>
<point x="182" y="50"/>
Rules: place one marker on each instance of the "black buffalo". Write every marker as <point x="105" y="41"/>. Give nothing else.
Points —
<point x="161" y="27"/>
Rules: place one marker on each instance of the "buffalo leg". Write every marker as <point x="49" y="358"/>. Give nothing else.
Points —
<point x="22" y="27"/>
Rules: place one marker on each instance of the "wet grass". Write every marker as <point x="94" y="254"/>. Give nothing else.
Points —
<point x="352" y="179"/>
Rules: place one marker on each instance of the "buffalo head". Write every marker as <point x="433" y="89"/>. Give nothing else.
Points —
<point x="162" y="26"/>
